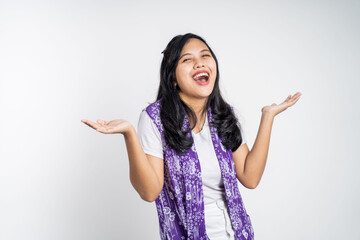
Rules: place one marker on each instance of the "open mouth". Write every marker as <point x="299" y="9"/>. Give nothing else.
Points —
<point x="201" y="77"/>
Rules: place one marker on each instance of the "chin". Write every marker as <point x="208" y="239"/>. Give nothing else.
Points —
<point x="204" y="95"/>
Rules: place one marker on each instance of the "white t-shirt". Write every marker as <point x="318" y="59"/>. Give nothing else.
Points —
<point x="213" y="185"/>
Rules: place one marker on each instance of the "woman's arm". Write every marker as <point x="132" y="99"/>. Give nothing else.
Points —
<point x="146" y="171"/>
<point x="250" y="165"/>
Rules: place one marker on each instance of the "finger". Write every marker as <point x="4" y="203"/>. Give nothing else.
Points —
<point x="287" y="99"/>
<point x="296" y="97"/>
<point x="85" y="121"/>
<point x="293" y="101"/>
<point x="104" y="122"/>
<point x="285" y="102"/>
<point x="293" y="97"/>
<point x="90" y="124"/>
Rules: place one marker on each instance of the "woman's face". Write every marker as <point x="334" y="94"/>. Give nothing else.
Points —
<point x="196" y="71"/>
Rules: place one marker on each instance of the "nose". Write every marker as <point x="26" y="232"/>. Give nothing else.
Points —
<point x="198" y="64"/>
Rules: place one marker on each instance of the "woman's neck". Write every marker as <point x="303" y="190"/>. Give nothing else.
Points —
<point x="197" y="105"/>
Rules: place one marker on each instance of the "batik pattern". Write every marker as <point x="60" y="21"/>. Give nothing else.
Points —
<point x="180" y="205"/>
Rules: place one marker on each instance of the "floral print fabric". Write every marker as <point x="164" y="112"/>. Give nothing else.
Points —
<point x="180" y="205"/>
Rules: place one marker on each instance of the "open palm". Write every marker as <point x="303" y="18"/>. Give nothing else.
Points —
<point x="275" y="109"/>
<point x="114" y="126"/>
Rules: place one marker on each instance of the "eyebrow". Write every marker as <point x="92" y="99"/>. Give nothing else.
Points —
<point x="190" y="54"/>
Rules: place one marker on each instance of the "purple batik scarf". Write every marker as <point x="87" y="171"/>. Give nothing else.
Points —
<point x="180" y="205"/>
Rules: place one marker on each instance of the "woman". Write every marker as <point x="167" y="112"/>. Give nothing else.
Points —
<point x="189" y="151"/>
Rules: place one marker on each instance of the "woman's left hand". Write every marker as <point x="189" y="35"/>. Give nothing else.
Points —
<point x="275" y="109"/>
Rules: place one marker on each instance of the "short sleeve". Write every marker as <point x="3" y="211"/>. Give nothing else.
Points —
<point x="240" y="125"/>
<point x="149" y="136"/>
<point x="243" y="135"/>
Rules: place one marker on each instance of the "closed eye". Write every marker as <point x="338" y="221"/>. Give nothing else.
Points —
<point x="188" y="59"/>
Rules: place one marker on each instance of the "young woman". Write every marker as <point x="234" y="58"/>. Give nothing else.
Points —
<point x="189" y="150"/>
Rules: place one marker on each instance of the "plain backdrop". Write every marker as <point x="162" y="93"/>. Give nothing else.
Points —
<point x="63" y="61"/>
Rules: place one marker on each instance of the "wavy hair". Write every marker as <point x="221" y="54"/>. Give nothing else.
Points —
<point x="172" y="107"/>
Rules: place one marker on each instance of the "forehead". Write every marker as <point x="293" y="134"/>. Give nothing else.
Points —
<point x="193" y="45"/>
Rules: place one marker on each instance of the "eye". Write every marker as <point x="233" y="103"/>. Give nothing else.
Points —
<point x="206" y="55"/>
<point x="186" y="59"/>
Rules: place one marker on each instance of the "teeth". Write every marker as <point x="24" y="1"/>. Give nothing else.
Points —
<point x="201" y="75"/>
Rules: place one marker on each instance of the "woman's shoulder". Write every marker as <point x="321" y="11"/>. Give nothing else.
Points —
<point x="149" y="135"/>
<point x="147" y="122"/>
<point x="151" y="113"/>
<point x="153" y="108"/>
<point x="157" y="103"/>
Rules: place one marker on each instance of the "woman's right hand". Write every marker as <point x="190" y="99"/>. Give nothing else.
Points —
<point x="146" y="171"/>
<point x="114" y="126"/>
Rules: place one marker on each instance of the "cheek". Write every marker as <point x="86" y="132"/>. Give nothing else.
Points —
<point x="214" y="64"/>
<point x="213" y="68"/>
<point x="180" y="74"/>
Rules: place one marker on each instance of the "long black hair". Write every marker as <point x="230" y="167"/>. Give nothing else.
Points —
<point x="172" y="107"/>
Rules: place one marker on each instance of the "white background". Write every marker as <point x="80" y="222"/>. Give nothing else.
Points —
<point x="63" y="61"/>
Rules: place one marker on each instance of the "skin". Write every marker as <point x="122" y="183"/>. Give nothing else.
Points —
<point x="195" y="56"/>
<point x="147" y="172"/>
